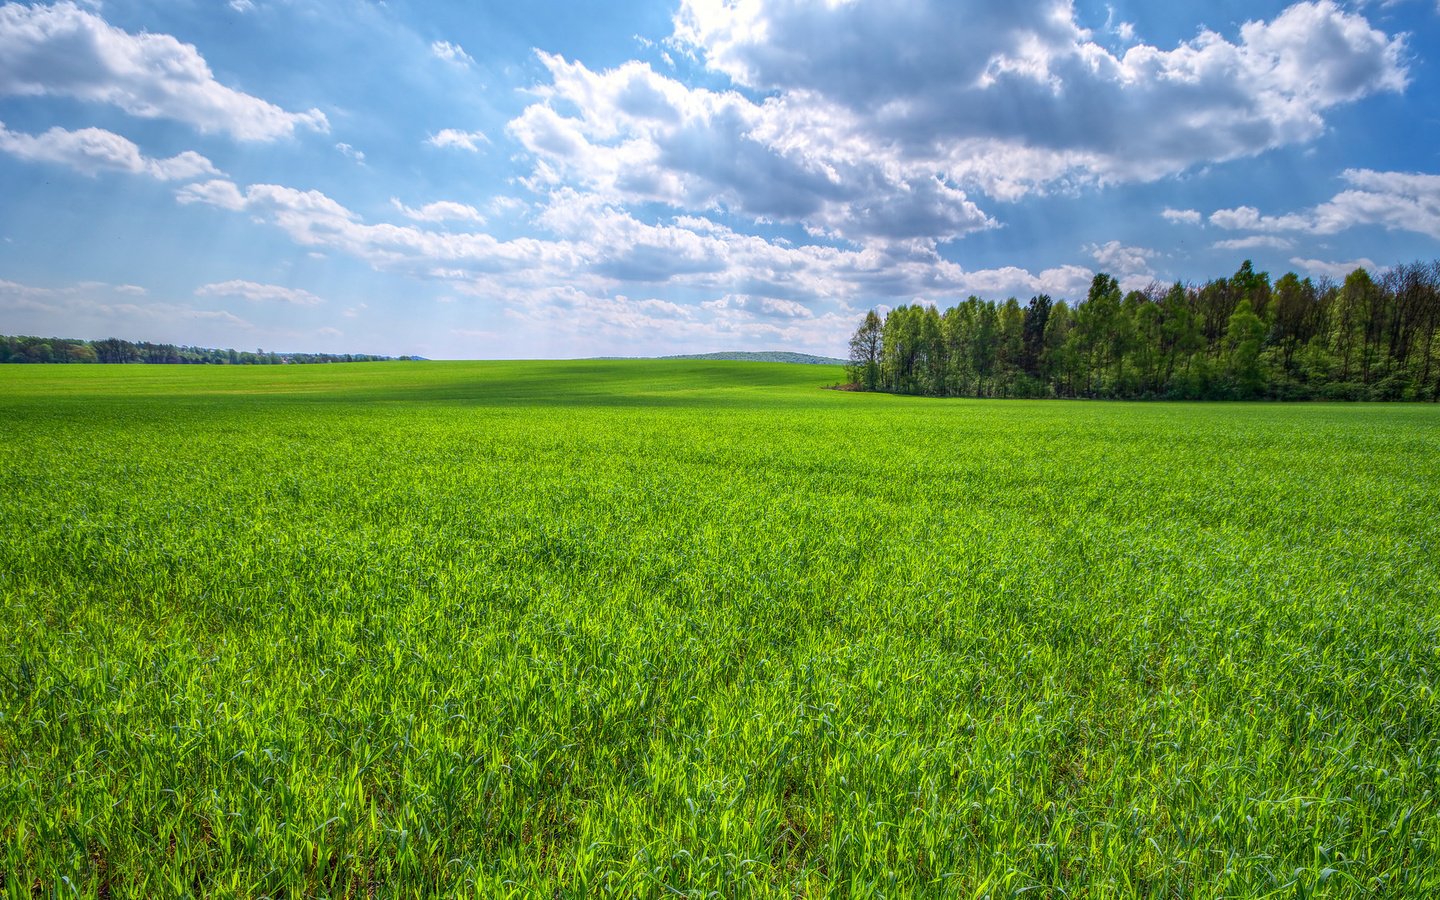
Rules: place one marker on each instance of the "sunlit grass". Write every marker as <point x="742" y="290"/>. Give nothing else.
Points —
<point x="679" y="628"/>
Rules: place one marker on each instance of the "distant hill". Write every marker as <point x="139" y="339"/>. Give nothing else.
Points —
<point x="779" y="356"/>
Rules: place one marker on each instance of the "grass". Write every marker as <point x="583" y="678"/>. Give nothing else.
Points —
<point x="690" y="629"/>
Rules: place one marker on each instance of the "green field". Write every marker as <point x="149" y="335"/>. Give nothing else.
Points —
<point x="705" y="629"/>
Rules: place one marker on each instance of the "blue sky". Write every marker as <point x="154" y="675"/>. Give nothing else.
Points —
<point x="488" y="180"/>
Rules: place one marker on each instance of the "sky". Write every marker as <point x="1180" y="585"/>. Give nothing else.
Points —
<point x="546" y="179"/>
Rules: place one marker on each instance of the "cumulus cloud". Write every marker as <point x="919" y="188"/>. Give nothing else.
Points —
<point x="255" y="292"/>
<point x="940" y="83"/>
<point x="92" y="305"/>
<point x="633" y="135"/>
<point x="217" y="192"/>
<point x="1130" y="265"/>
<point x="462" y="140"/>
<point x="1254" y="242"/>
<point x="1116" y="257"/>
<point x="594" y="275"/>
<point x="440" y="211"/>
<point x="599" y="248"/>
<point x="314" y="220"/>
<point x="63" y="50"/>
<point x="451" y="53"/>
<point x="861" y="121"/>
<point x="1335" y="270"/>
<point x="94" y="150"/>
<point x="1181" y="216"/>
<point x="765" y="306"/>
<point x="1398" y="201"/>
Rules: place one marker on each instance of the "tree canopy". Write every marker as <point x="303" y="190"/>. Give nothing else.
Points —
<point x="1241" y="337"/>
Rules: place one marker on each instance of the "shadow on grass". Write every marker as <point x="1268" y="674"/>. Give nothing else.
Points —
<point x="576" y="383"/>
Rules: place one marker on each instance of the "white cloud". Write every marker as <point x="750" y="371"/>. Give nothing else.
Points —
<point x="1334" y="269"/>
<point x="639" y="136"/>
<point x="597" y="249"/>
<point x="316" y="221"/>
<point x="765" y="306"/>
<point x="351" y="152"/>
<point x="1116" y="257"/>
<point x="505" y="205"/>
<point x="1248" y="218"/>
<point x="63" y="50"/>
<point x="1181" y="216"/>
<point x="454" y="137"/>
<point x="440" y="211"/>
<point x="1254" y="242"/>
<point x="94" y="150"/>
<point x="1398" y="201"/>
<point x="602" y="280"/>
<point x="572" y="318"/>
<point x="255" y="292"/>
<point x="242" y="6"/>
<point x="93" y="309"/>
<point x="938" y="85"/>
<point x="217" y="192"/>
<point x="860" y="121"/>
<point x="451" y="53"/>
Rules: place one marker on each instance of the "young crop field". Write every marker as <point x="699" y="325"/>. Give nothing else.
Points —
<point x="703" y="629"/>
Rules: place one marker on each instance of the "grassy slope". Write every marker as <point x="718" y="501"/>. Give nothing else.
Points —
<point x="630" y="624"/>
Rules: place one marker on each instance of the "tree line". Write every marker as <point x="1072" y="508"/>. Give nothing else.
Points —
<point x="1242" y="338"/>
<point x="26" y="349"/>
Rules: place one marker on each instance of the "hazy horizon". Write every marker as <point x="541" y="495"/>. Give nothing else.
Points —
<point x="694" y="176"/>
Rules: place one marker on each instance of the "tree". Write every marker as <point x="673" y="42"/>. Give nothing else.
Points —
<point x="1215" y="304"/>
<point x="866" y="348"/>
<point x="1247" y="284"/>
<point x="1238" y="336"/>
<point x="984" y="344"/>
<point x="1352" y="307"/>
<point x="929" y="336"/>
<point x="1292" y="314"/>
<point x="1037" y="313"/>
<point x="1009" y="345"/>
<point x="1095" y="324"/>
<point x="39" y="352"/>
<point x="1146" y="353"/>
<point x="1180" y="335"/>
<point x="114" y="350"/>
<point x="1244" y="336"/>
<point x="1058" y="361"/>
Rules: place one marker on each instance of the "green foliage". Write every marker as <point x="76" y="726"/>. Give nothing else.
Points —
<point x="1232" y="338"/>
<point x="863" y="367"/>
<point x="654" y="629"/>
<point x="1243" y="340"/>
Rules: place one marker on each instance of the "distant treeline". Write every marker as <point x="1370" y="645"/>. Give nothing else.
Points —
<point x="1239" y="338"/>
<point x="24" y="349"/>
